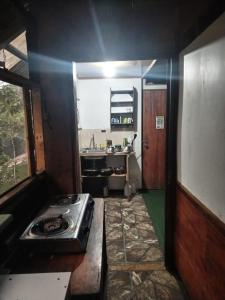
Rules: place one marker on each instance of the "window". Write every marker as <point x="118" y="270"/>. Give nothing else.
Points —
<point x="13" y="56"/>
<point x="14" y="162"/>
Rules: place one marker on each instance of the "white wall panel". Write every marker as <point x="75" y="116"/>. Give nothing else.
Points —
<point x="201" y="120"/>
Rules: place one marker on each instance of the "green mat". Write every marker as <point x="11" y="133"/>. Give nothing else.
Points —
<point x="155" y="202"/>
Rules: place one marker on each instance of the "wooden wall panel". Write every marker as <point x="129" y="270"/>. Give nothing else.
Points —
<point x="59" y="120"/>
<point x="38" y="129"/>
<point x="23" y="202"/>
<point x="59" y="124"/>
<point x="199" y="248"/>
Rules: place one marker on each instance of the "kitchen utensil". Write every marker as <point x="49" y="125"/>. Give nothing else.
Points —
<point x="108" y="143"/>
<point x="130" y="120"/>
<point x="93" y="162"/>
<point x="119" y="170"/>
<point x="91" y="172"/>
<point x="128" y="148"/>
<point x="106" y="171"/>
<point x="125" y="142"/>
<point x="118" y="148"/>
<point x="110" y="150"/>
<point x="132" y="143"/>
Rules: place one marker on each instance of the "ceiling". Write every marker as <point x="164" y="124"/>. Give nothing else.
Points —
<point x="114" y="69"/>
<point x="92" y="30"/>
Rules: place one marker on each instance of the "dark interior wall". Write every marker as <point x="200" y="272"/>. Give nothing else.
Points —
<point x="11" y="22"/>
<point x="195" y="17"/>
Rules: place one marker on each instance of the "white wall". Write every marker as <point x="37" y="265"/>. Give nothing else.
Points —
<point x="201" y="121"/>
<point x="94" y="111"/>
<point x="94" y="95"/>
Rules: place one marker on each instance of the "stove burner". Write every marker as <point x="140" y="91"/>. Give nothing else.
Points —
<point x="60" y="227"/>
<point x="65" y="200"/>
<point x="50" y="226"/>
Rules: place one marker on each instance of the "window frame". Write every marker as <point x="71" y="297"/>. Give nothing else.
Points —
<point x="33" y="128"/>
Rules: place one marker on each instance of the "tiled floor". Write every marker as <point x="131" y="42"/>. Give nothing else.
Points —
<point x="135" y="262"/>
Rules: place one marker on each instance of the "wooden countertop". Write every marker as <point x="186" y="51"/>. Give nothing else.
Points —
<point x="87" y="268"/>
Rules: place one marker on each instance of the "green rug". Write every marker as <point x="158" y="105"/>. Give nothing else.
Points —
<point x="155" y="202"/>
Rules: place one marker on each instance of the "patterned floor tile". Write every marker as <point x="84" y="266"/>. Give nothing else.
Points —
<point x="115" y="252"/>
<point x="131" y="242"/>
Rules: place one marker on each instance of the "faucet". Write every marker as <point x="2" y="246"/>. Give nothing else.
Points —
<point x="92" y="142"/>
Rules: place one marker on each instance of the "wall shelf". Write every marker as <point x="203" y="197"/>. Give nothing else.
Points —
<point x="120" y="101"/>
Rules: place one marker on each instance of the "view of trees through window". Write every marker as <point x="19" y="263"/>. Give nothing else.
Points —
<point x="13" y="145"/>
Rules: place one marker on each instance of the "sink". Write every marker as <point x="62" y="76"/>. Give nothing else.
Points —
<point x="88" y="150"/>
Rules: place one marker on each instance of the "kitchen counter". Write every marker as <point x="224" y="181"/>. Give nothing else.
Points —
<point x="109" y="156"/>
<point x="103" y="153"/>
<point x="87" y="268"/>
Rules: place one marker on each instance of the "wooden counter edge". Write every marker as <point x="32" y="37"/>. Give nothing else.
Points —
<point x="99" y="154"/>
<point x="86" y="279"/>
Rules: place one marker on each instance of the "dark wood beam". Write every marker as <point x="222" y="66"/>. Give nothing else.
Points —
<point x="10" y="37"/>
<point x="16" y="52"/>
<point x="171" y="144"/>
<point x="9" y="77"/>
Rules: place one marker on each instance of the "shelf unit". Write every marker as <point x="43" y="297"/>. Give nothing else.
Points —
<point x="102" y="180"/>
<point x="123" y="110"/>
<point x="99" y="176"/>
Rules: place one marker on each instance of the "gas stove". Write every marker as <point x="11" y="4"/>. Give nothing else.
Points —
<point x="63" y="226"/>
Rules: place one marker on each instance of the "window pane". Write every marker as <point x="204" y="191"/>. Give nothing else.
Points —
<point x="20" y="43"/>
<point x="12" y="62"/>
<point x="10" y="59"/>
<point x="14" y="165"/>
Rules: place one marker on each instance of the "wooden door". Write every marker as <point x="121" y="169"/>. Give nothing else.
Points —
<point x="154" y="138"/>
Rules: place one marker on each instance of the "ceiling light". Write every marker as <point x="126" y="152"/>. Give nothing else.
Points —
<point x="109" y="69"/>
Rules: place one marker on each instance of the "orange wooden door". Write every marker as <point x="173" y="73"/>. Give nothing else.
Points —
<point x="154" y="138"/>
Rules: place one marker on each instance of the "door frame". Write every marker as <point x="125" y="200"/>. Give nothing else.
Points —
<point x="170" y="160"/>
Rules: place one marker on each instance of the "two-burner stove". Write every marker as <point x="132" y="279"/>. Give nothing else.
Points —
<point x="63" y="226"/>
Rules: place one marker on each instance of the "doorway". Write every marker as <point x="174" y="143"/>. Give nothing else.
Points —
<point x="148" y="171"/>
<point x="110" y="106"/>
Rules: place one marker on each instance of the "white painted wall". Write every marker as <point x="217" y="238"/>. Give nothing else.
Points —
<point x="94" y="95"/>
<point x="201" y="121"/>
<point x="94" y="112"/>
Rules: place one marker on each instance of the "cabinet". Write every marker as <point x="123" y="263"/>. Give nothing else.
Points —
<point x="95" y="184"/>
<point x="123" y="109"/>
